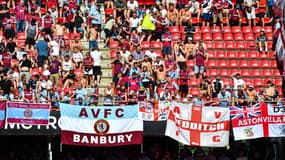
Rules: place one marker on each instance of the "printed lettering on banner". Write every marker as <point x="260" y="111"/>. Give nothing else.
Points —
<point x="100" y="126"/>
<point x="257" y="121"/>
<point x="198" y="126"/>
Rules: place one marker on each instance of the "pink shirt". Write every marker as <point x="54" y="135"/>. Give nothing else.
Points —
<point x="20" y="12"/>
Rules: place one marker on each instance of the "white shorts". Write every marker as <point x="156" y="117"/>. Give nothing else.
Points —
<point x="251" y="15"/>
<point x="88" y="71"/>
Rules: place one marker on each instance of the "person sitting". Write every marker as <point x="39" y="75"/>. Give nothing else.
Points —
<point x="224" y="97"/>
<point x="252" y="95"/>
<point x="262" y="41"/>
<point x="240" y="96"/>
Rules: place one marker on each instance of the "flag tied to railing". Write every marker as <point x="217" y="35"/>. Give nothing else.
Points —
<point x="2" y="114"/>
<point x="100" y="126"/>
<point x="257" y="121"/>
<point x="157" y="111"/>
<point x="28" y="113"/>
<point x="197" y="125"/>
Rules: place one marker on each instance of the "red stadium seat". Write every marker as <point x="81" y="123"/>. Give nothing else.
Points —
<point x="243" y="63"/>
<point x="276" y="72"/>
<point x="197" y="29"/>
<point x="109" y="11"/>
<point x="193" y="82"/>
<point x="270" y="45"/>
<point x="205" y="29"/>
<point x="263" y="55"/>
<point x="248" y="81"/>
<point x="217" y="36"/>
<point x="78" y="71"/>
<point x="217" y="29"/>
<point x="20" y="43"/>
<point x="251" y="45"/>
<point x="242" y="54"/>
<point x="209" y="44"/>
<point x="224" y="72"/>
<point x="197" y="36"/>
<point x="114" y="44"/>
<point x="219" y="45"/>
<point x="145" y="45"/>
<point x="256" y="73"/>
<point x="227" y="81"/>
<point x="212" y="72"/>
<point x="207" y="36"/>
<point x="227" y="29"/>
<point x="230" y="45"/>
<point x="240" y="45"/>
<point x="181" y="28"/>
<point x="268" y="29"/>
<point x="228" y="37"/>
<point x="66" y="36"/>
<point x="267" y="72"/>
<point x="174" y="29"/>
<point x="73" y="35"/>
<point x="269" y="36"/>
<point x="238" y="37"/>
<point x="253" y="54"/>
<point x="194" y="91"/>
<point x="234" y="71"/>
<point x="189" y="63"/>
<point x="256" y="29"/>
<point x="233" y="63"/>
<point x="246" y="29"/>
<point x="43" y="11"/>
<point x="222" y="63"/>
<point x="258" y="82"/>
<point x="221" y="54"/>
<point x="156" y="44"/>
<point x="232" y="54"/>
<point x="278" y="82"/>
<point x="176" y="36"/>
<point x="245" y="72"/>
<point x="196" y="20"/>
<point x="254" y="63"/>
<point x="159" y="53"/>
<point x="265" y="63"/>
<point x="211" y="63"/>
<point x="183" y="36"/>
<point x="211" y="54"/>
<point x="249" y="37"/>
<point x="236" y="29"/>
<point x="21" y="36"/>
<point x="113" y="53"/>
<point x="149" y="2"/>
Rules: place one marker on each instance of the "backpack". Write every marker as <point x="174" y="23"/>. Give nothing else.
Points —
<point x="31" y="33"/>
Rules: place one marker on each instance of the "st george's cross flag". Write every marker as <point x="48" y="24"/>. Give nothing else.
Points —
<point x="257" y="121"/>
<point x="28" y="113"/>
<point x="100" y="126"/>
<point x="2" y="114"/>
<point x="157" y="111"/>
<point x="197" y="125"/>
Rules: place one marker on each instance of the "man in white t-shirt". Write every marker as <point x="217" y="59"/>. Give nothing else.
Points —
<point x="151" y="53"/>
<point x="134" y="21"/>
<point x="132" y="5"/>
<point x="238" y="81"/>
<point x="125" y="53"/>
<point x="97" y="57"/>
<point x="54" y="47"/>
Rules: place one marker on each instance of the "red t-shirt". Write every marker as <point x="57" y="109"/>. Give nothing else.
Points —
<point x="48" y="21"/>
<point x="6" y="59"/>
<point x="88" y="62"/>
<point x="28" y="94"/>
<point x="200" y="58"/>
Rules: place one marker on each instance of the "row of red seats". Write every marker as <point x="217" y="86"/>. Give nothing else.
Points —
<point x="227" y="29"/>
<point x="245" y="63"/>
<point x="229" y="36"/>
<point x="240" y="54"/>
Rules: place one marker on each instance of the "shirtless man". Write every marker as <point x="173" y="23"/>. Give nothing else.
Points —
<point x="161" y="74"/>
<point x="251" y="93"/>
<point x="172" y="15"/>
<point x="93" y="36"/>
<point x="184" y="16"/>
<point x="180" y="54"/>
<point x="59" y="30"/>
<point x="189" y="46"/>
<point x="269" y="91"/>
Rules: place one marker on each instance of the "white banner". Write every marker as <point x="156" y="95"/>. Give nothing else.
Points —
<point x="198" y="126"/>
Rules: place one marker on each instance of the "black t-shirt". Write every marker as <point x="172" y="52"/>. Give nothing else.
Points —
<point x="6" y="86"/>
<point x="26" y="63"/>
<point x="189" y="29"/>
<point x="71" y="76"/>
<point x="11" y="46"/>
<point x="78" y="21"/>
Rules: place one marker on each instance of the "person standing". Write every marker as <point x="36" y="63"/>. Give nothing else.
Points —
<point x="20" y="11"/>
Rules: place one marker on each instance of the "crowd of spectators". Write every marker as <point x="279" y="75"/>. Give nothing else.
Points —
<point x="43" y="58"/>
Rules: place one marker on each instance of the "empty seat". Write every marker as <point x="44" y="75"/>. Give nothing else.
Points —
<point x="233" y="63"/>
<point x="217" y="36"/>
<point x="114" y="44"/>
<point x="209" y="44"/>
<point x="252" y="54"/>
<point x="197" y="36"/>
<point x="196" y="20"/>
<point x="242" y="54"/>
<point x="249" y="37"/>
<point x="173" y="29"/>
<point x="238" y="37"/>
<point x="212" y="72"/>
<point x="273" y="64"/>
<point x="245" y="72"/>
<point x="276" y="72"/>
<point x="268" y="29"/>
<point x="240" y="45"/>
<point x="243" y="63"/>
<point x="246" y="29"/>
<point x="227" y="81"/>
<point x="236" y="29"/>
<point x="258" y="82"/>
<point x="269" y="36"/>
<point x="193" y="82"/>
<point x="251" y="45"/>
<point x="159" y="53"/>
<point x="248" y="81"/>
<point x="228" y="37"/>
<point x="265" y="63"/>
<point x="254" y="63"/>
<point x="145" y="45"/>
<point x="256" y="72"/>
<point x="207" y="36"/>
<point x="197" y="28"/>
<point x="211" y="63"/>
<point x="176" y="36"/>
<point x="156" y="44"/>
<point x="219" y="45"/>
<point x="263" y="55"/>
<point x="229" y="45"/>
<point x="205" y="29"/>
<point x="113" y="53"/>
<point x="194" y="91"/>
<point x="181" y="28"/>
<point x="256" y="29"/>
<point x="189" y="63"/>
<point x="267" y="72"/>
<point x="224" y="72"/>
<point x="227" y="29"/>
<point x="234" y="71"/>
<point x="211" y="54"/>
<point x="74" y="35"/>
<point x="222" y="63"/>
<point x="278" y="82"/>
<point x="221" y="54"/>
<point x="232" y="54"/>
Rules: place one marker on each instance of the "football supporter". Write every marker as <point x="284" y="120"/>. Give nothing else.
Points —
<point x="262" y="42"/>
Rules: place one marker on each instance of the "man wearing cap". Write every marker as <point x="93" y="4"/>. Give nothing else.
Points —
<point x="238" y="81"/>
<point x="262" y="41"/>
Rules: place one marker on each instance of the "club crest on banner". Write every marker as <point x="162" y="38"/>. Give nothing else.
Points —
<point x="28" y="113"/>
<point x="101" y="126"/>
<point x="248" y="132"/>
<point x="282" y="129"/>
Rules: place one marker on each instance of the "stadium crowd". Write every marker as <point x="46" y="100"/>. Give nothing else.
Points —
<point x="43" y="58"/>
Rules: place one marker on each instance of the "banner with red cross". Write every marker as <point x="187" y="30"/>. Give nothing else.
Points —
<point x="197" y="125"/>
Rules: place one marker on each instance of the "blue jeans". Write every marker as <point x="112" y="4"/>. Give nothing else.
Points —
<point x="80" y="29"/>
<point x="20" y="26"/>
<point x="93" y="44"/>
